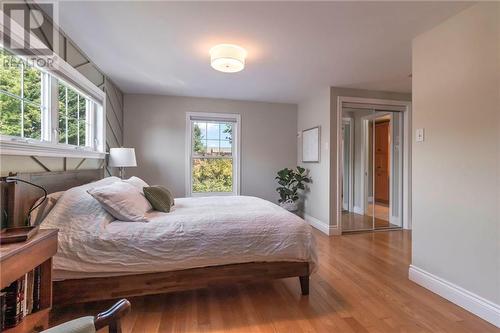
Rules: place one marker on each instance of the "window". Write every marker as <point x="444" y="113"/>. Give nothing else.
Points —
<point x="213" y="154"/>
<point x="74" y="121"/>
<point x="21" y="99"/>
<point x="42" y="113"/>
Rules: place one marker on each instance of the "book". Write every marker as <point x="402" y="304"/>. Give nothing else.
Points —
<point x="37" y="282"/>
<point x="20" y="298"/>
<point x="25" y="294"/>
<point x="30" y="281"/>
<point x="14" y="298"/>
<point x="2" y="310"/>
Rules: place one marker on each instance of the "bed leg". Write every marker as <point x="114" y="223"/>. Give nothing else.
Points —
<point x="304" y="284"/>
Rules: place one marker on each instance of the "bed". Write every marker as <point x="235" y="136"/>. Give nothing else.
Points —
<point x="202" y="242"/>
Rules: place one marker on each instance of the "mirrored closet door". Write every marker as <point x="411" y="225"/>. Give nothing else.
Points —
<point x="356" y="153"/>
<point x="371" y="169"/>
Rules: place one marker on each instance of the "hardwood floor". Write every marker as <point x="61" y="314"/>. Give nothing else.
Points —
<point x="354" y="222"/>
<point x="379" y="210"/>
<point x="361" y="285"/>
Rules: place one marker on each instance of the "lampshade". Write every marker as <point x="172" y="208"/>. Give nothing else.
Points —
<point x="122" y="157"/>
<point x="228" y="58"/>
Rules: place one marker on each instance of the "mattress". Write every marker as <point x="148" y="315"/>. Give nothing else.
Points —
<point x="199" y="232"/>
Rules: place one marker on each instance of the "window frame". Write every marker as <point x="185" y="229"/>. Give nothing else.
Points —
<point x="236" y="148"/>
<point x="49" y="145"/>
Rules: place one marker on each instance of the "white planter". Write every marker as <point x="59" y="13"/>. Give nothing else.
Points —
<point x="290" y="205"/>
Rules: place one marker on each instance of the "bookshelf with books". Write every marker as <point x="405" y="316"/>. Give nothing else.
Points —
<point x="26" y="283"/>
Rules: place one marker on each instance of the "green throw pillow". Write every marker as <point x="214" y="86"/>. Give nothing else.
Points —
<point x="159" y="197"/>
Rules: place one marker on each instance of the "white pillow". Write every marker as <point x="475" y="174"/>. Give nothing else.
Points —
<point x="43" y="208"/>
<point x="137" y="182"/>
<point x="78" y="210"/>
<point x="122" y="200"/>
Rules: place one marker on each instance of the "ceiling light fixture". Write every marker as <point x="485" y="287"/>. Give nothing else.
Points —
<point x="227" y="58"/>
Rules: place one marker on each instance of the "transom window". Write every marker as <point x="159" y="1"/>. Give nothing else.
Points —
<point x="213" y="154"/>
<point x="38" y="108"/>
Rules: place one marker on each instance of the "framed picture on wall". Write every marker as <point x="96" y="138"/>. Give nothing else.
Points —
<point x="310" y="145"/>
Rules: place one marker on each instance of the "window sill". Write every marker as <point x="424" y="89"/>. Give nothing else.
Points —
<point x="212" y="194"/>
<point x="45" y="149"/>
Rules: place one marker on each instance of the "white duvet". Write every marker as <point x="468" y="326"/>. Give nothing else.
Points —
<point x="200" y="232"/>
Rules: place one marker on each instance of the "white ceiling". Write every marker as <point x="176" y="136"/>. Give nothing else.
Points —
<point x="294" y="48"/>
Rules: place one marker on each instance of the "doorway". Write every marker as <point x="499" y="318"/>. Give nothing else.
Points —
<point x="381" y="161"/>
<point x="348" y="164"/>
<point x="371" y="167"/>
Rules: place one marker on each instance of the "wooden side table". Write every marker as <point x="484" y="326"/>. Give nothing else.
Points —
<point x="17" y="259"/>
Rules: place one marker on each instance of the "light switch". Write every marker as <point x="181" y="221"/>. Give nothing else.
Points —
<point x="419" y="135"/>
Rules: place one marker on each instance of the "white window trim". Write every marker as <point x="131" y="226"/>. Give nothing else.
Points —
<point x="236" y="152"/>
<point x="10" y="145"/>
<point x="48" y="146"/>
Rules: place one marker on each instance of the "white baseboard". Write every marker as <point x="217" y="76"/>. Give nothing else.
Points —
<point x="322" y="226"/>
<point x="359" y="210"/>
<point x="479" y="306"/>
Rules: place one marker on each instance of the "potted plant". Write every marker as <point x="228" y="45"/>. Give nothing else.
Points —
<point x="291" y="181"/>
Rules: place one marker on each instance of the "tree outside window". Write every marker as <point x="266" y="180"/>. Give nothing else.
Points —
<point x="20" y="98"/>
<point x="212" y="162"/>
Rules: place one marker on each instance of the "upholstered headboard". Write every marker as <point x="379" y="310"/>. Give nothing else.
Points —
<point x="18" y="198"/>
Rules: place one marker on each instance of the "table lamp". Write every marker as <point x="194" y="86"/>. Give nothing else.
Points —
<point x="122" y="158"/>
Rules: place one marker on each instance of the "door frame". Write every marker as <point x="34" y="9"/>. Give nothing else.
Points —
<point x="397" y="220"/>
<point x="381" y="104"/>
<point x="390" y="149"/>
<point x="350" y="199"/>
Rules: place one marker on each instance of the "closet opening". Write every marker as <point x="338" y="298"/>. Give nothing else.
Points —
<point x="372" y="167"/>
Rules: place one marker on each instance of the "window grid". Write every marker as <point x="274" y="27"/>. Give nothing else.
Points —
<point x="78" y="120"/>
<point x="66" y="114"/>
<point x="220" y="139"/>
<point x="24" y="101"/>
<point x="83" y="125"/>
<point x="19" y="98"/>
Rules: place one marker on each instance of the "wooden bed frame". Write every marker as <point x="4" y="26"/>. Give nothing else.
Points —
<point x="20" y="198"/>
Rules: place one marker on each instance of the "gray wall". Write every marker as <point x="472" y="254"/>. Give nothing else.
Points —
<point x="456" y="171"/>
<point x="312" y="112"/>
<point x="114" y="119"/>
<point x="156" y="127"/>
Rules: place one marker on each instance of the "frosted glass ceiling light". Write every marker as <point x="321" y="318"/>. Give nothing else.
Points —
<point x="227" y="58"/>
